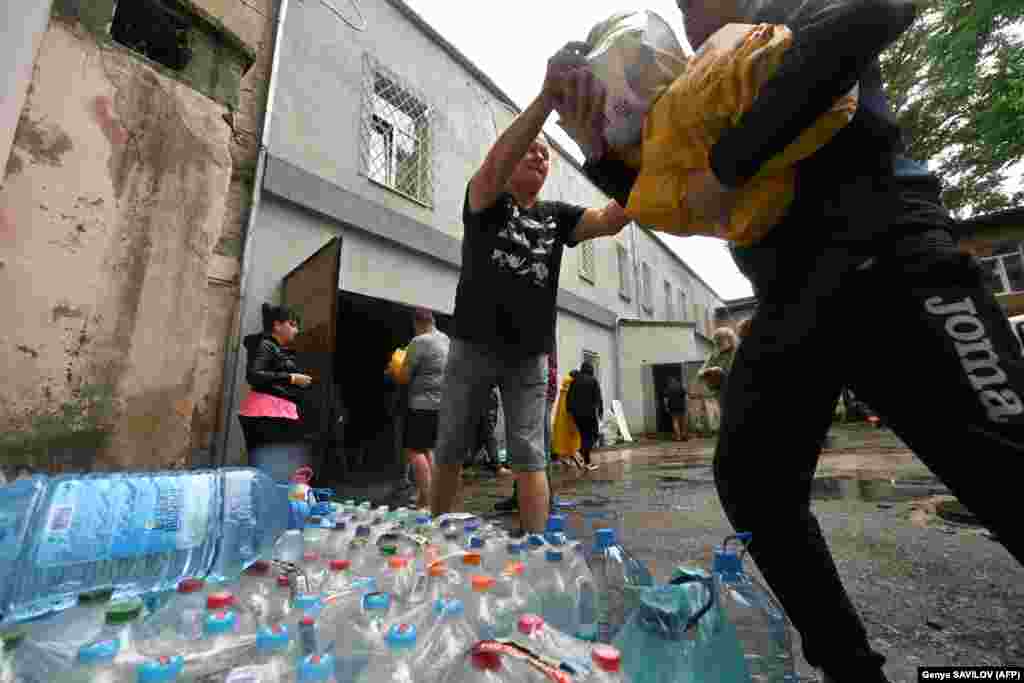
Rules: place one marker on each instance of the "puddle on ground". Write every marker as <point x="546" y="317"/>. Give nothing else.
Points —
<point x="876" y="490"/>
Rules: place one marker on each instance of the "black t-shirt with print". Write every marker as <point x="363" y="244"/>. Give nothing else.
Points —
<point x="511" y="259"/>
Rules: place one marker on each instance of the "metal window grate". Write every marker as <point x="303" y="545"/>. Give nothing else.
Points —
<point x="625" y="272"/>
<point x="587" y="268"/>
<point x="647" y="296"/>
<point x="396" y="134"/>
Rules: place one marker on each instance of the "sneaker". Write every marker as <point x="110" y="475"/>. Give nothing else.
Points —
<point x="507" y="505"/>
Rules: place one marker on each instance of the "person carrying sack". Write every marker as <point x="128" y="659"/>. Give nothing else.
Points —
<point x="866" y="225"/>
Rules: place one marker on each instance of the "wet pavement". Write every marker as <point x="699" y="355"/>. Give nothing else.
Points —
<point x="933" y="588"/>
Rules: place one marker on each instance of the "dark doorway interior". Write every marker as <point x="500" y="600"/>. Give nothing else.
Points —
<point x="370" y="405"/>
<point x="662" y="373"/>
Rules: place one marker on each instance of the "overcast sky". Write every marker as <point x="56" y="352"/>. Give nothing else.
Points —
<point x="511" y="43"/>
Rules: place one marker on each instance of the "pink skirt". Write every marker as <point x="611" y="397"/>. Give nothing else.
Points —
<point x="258" y="404"/>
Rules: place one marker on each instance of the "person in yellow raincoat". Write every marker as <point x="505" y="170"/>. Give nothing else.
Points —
<point x="565" y="438"/>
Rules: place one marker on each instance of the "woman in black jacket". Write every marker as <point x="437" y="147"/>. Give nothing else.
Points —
<point x="269" y="414"/>
<point x="585" y="404"/>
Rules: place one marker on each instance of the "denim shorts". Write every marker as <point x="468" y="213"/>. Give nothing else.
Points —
<point x="471" y="370"/>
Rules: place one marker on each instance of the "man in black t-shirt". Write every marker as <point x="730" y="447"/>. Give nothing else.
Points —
<point x="505" y="302"/>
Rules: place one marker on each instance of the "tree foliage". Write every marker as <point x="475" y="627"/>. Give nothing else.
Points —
<point x="956" y="78"/>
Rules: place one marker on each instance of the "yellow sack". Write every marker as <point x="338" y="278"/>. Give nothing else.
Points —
<point x="397" y="358"/>
<point x="720" y="83"/>
<point x="565" y="437"/>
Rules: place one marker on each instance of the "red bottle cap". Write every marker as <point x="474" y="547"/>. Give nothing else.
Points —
<point x="190" y="585"/>
<point x="340" y="565"/>
<point x="283" y="581"/>
<point x="530" y="623"/>
<point x="606" y="657"/>
<point x="220" y="600"/>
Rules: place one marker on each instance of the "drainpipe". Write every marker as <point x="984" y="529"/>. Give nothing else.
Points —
<point x="230" y="382"/>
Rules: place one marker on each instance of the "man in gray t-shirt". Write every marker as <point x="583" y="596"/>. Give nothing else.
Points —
<point x="425" y="360"/>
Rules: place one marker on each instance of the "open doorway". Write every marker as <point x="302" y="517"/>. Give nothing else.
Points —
<point x="370" y="407"/>
<point x="662" y="373"/>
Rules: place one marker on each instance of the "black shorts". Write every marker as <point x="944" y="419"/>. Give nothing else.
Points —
<point x="420" y="430"/>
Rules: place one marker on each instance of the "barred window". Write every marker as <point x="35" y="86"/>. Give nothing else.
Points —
<point x="587" y="261"/>
<point x="625" y="272"/>
<point x="395" y="140"/>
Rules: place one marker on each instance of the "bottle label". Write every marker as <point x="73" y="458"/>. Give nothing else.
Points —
<point x="99" y="519"/>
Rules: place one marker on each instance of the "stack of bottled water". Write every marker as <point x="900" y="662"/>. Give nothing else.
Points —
<point x="196" y="577"/>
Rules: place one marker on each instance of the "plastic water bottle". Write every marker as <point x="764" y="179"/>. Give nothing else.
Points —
<point x="536" y="548"/>
<point x="394" y="664"/>
<point x="256" y="590"/>
<point x="447" y="635"/>
<point x="513" y="593"/>
<point x="121" y="624"/>
<point x="678" y="634"/>
<point x="559" y="597"/>
<point x="363" y="636"/>
<point x="217" y="651"/>
<point x="289" y="546"/>
<point x="360" y="552"/>
<point x="52" y="642"/>
<point x="313" y="536"/>
<point x="176" y="624"/>
<point x="435" y="584"/>
<point x="309" y="636"/>
<point x="161" y="670"/>
<point x="274" y="662"/>
<point x="244" y="621"/>
<point x="317" y="669"/>
<point x="619" y="578"/>
<point x="339" y="577"/>
<point x="134" y="532"/>
<point x="399" y="579"/>
<point x="481" y="609"/>
<point x="337" y="541"/>
<point x="761" y="624"/>
<point x="19" y="503"/>
<point x="314" y="569"/>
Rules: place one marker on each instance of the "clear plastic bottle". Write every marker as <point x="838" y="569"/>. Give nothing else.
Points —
<point x="394" y="664"/>
<point x="217" y="652"/>
<point x="289" y="546"/>
<point x="338" y="538"/>
<point x="339" y="577"/>
<point x="19" y="502"/>
<point x="761" y="624"/>
<point x="361" y="553"/>
<point x="315" y="570"/>
<point x="559" y="597"/>
<point x="309" y="636"/>
<point x="317" y="669"/>
<point x="619" y="578"/>
<point x="51" y="643"/>
<point x="446" y="636"/>
<point x="175" y="624"/>
<point x="542" y="638"/>
<point x="274" y="662"/>
<point x="513" y="595"/>
<point x="399" y="579"/>
<point x="255" y="592"/>
<point x="482" y="610"/>
<point x="314" y="535"/>
<point x="245" y="624"/>
<point x="364" y="636"/>
<point x="279" y="602"/>
<point x="122" y="623"/>
<point x="161" y="670"/>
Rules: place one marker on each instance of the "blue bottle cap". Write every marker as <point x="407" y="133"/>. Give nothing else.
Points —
<point x="448" y="607"/>
<point x="604" y="538"/>
<point x="219" y="623"/>
<point x="556" y="523"/>
<point x="340" y="526"/>
<point x="727" y="562"/>
<point x="162" y="670"/>
<point x="471" y="525"/>
<point x="316" y="668"/>
<point x="423" y="520"/>
<point x="99" y="652"/>
<point x="402" y="636"/>
<point x="514" y="548"/>
<point x="272" y="639"/>
<point x="362" y="531"/>
<point x="476" y="543"/>
<point x="553" y="556"/>
<point x="306" y="601"/>
<point x="377" y="601"/>
<point x="536" y="540"/>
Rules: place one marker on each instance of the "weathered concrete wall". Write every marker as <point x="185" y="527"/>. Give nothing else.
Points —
<point x="116" y="188"/>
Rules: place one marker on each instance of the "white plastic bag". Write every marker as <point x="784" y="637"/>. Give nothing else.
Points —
<point x="636" y="55"/>
<point x="610" y="429"/>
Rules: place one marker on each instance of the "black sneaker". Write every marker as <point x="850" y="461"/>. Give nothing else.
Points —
<point x="507" y="505"/>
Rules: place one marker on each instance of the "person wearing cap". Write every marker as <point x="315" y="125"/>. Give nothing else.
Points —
<point x="423" y="370"/>
<point x="865" y="254"/>
<point x="505" y="302"/>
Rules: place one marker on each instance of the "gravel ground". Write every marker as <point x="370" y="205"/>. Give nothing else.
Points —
<point x="930" y="591"/>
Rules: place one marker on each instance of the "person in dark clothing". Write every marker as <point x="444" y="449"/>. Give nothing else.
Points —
<point x="675" y="404"/>
<point x="865" y="252"/>
<point x="269" y="414"/>
<point x="586" y="406"/>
